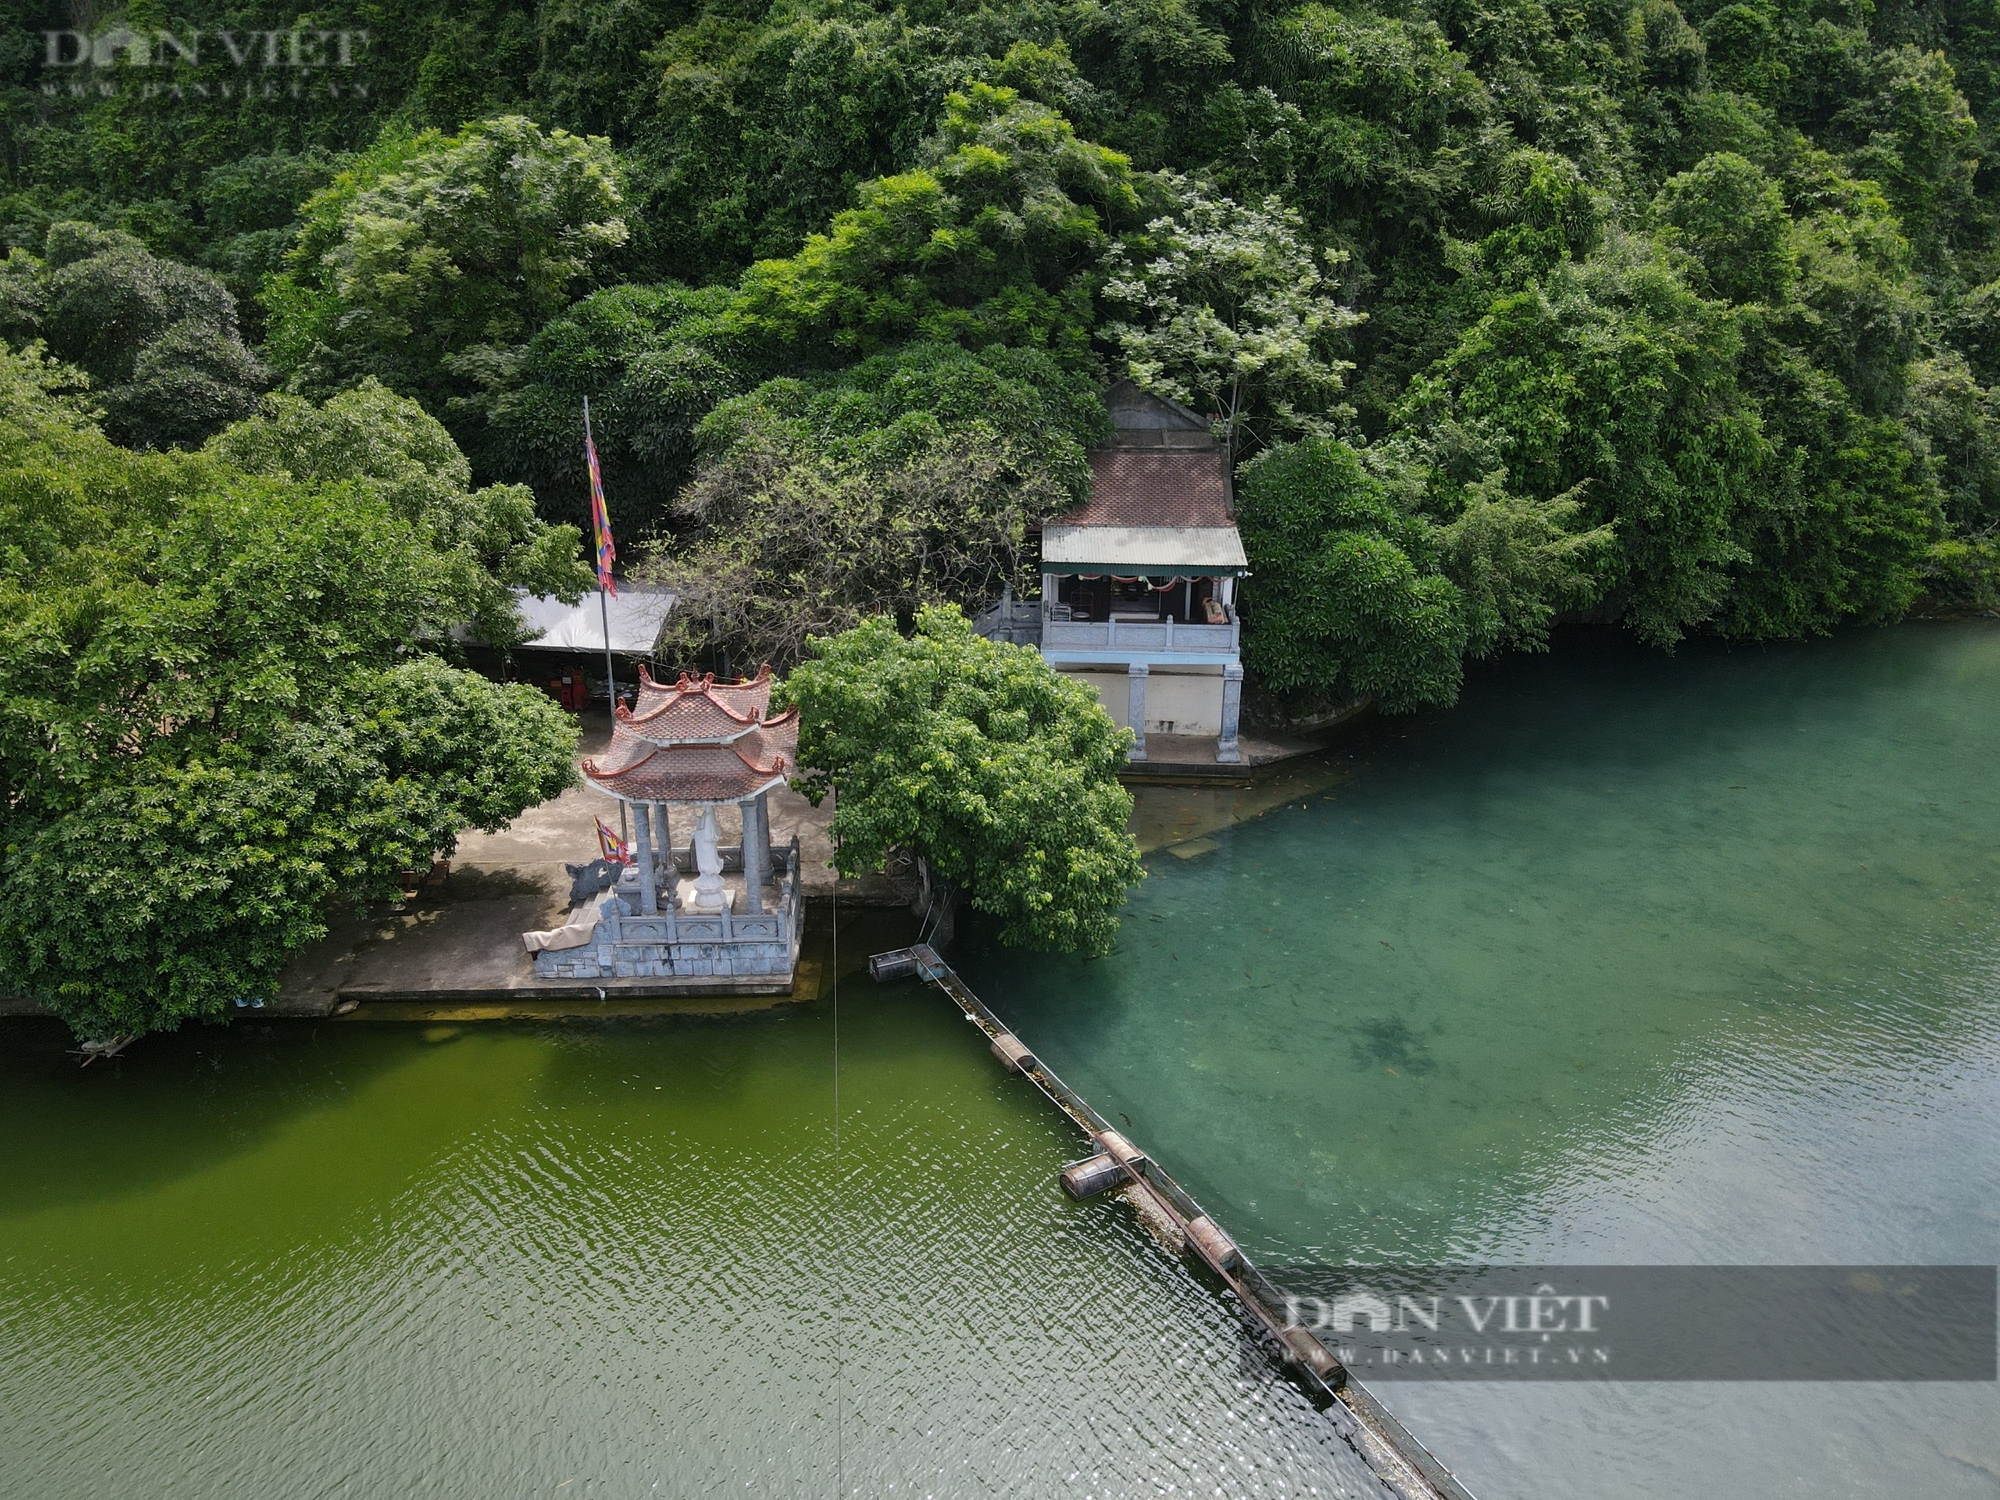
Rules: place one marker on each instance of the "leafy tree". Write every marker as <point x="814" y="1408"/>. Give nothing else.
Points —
<point x="980" y="759"/>
<point x="250" y="212"/>
<point x="157" y="339"/>
<point x="989" y="240"/>
<point x="189" y="880"/>
<point x="1228" y="312"/>
<point x="213" y="727"/>
<point x="909" y="479"/>
<point x="1957" y="423"/>
<point x="1861" y="312"/>
<point x="653" y="361"/>
<point x="431" y="254"/>
<point x="1913" y="133"/>
<point x="1846" y="516"/>
<point x="1613" y="376"/>
<point x="1350" y="598"/>
<point x="1731" y="217"/>
<point x="1518" y="563"/>
<point x="490" y="540"/>
<point x="1843" y="521"/>
<point x="749" y="138"/>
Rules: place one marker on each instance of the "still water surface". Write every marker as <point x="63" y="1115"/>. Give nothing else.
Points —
<point x="1630" y="958"/>
<point x="619" y="1260"/>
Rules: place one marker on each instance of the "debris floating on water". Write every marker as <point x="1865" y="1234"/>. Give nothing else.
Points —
<point x="92" y="1052"/>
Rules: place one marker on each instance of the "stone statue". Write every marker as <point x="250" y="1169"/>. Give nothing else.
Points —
<point x="708" y="862"/>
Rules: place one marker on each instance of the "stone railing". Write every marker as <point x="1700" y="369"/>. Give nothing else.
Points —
<point x="1136" y="636"/>
<point x="1017" y="622"/>
<point x="684" y="944"/>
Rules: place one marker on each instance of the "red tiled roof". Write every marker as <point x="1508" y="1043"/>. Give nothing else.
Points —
<point x="640" y="770"/>
<point x="709" y="709"/>
<point x="1169" y="488"/>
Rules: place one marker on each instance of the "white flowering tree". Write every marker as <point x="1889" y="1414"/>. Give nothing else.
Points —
<point x="1228" y="310"/>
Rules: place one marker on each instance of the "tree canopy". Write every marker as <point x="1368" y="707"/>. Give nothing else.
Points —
<point x="980" y="759"/>
<point x="157" y="339"/>
<point x="433" y="254"/>
<point x="1713" y="284"/>
<point x="906" y="480"/>
<point x="218" y="716"/>
<point x="1230" y="312"/>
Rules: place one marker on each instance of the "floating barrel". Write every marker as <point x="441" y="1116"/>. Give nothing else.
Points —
<point x="1118" y="1148"/>
<point x="1212" y="1244"/>
<point x="1007" y="1047"/>
<point x="1314" y="1355"/>
<point x="883" y="967"/>
<point x="1091" y="1176"/>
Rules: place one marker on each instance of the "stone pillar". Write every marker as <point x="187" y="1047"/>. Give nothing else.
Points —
<point x="756" y="852"/>
<point x="663" y="858"/>
<point x="1135" y="707"/>
<point x="1227" y="751"/>
<point x="642" y="849"/>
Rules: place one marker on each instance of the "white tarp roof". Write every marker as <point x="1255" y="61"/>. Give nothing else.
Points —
<point x="1143" y="549"/>
<point x="636" y="615"/>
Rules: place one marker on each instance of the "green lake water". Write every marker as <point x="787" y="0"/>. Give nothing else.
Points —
<point x="619" y="1260"/>
<point x="1629" y="958"/>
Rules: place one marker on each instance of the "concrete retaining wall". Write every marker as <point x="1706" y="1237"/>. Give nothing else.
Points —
<point x="1179" y="700"/>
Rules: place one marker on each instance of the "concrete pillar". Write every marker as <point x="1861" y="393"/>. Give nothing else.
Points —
<point x="764" y="833"/>
<point x="1135" y="707"/>
<point x="756" y="852"/>
<point x="642" y="847"/>
<point x="1227" y="751"/>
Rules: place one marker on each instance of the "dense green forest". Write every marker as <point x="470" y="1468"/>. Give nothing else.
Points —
<point x="1686" y="315"/>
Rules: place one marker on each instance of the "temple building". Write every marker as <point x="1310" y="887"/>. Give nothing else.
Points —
<point x="675" y="912"/>
<point x="1139" y="582"/>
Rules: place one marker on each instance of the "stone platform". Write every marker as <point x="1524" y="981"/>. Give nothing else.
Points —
<point x="1191" y="757"/>
<point x="457" y="941"/>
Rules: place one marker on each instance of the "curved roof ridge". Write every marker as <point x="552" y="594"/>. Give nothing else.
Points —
<point x="775" y="768"/>
<point x="679" y="697"/>
<point x="592" y="768"/>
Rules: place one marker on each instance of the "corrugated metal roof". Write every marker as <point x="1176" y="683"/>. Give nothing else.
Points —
<point x="1143" y="549"/>
<point x="636" y="616"/>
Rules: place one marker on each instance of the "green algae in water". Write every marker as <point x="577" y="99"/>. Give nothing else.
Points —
<point x="618" y="1259"/>
<point x="1630" y="958"/>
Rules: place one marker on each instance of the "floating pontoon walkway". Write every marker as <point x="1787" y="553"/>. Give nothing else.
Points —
<point x="1391" y="1450"/>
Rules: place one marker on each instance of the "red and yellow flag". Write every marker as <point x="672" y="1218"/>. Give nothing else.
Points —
<point x="615" y="849"/>
<point x="600" y="516"/>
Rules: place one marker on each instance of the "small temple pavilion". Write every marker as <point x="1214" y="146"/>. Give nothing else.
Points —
<point x="675" y="913"/>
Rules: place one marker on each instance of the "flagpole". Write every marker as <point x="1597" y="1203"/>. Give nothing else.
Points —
<point x="604" y="615"/>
